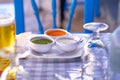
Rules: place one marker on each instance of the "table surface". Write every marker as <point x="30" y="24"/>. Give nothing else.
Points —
<point x="47" y="68"/>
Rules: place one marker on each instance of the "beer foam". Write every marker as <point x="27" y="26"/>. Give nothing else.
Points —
<point x="6" y="19"/>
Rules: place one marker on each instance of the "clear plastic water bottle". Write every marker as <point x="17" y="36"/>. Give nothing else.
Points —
<point x="115" y="55"/>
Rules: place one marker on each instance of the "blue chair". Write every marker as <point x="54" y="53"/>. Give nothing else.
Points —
<point x="91" y="7"/>
<point x="88" y="4"/>
<point x="67" y="4"/>
<point x="19" y="14"/>
<point x="68" y="27"/>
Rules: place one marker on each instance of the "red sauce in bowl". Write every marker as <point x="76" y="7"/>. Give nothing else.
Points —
<point x="56" y="32"/>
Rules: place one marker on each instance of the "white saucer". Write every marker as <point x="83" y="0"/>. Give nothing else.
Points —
<point x="54" y="52"/>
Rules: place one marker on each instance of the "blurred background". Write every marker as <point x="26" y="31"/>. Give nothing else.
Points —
<point x="110" y="14"/>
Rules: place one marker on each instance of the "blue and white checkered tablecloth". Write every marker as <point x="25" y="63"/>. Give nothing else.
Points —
<point x="45" y="69"/>
<point x="40" y="69"/>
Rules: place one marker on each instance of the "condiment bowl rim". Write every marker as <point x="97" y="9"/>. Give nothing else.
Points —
<point x="77" y="39"/>
<point x="56" y="29"/>
<point x="41" y="36"/>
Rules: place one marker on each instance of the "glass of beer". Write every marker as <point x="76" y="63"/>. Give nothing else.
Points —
<point x="7" y="41"/>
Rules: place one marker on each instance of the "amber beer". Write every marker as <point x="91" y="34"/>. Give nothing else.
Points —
<point x="7" y="33"/>
<point x="7" y="40"/>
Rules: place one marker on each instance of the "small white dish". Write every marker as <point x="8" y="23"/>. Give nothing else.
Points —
<point x="41" y="43"/>
<point x="68" y="43"/>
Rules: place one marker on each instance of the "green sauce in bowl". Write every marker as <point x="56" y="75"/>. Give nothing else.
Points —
<point x="41" y="41"/>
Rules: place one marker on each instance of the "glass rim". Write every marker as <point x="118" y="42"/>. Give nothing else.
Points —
<point x="87" y="25"/>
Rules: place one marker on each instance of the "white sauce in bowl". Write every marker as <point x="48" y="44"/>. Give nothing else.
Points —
<point x="66" y="40"/>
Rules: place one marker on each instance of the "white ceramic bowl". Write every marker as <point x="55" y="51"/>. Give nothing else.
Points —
<point x="54" y="33"/>
<point x="68" y="43"/>
<point x="42" y="46"/>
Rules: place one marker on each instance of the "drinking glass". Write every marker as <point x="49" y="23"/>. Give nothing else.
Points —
<point x="8" y="55"/>
<point x="97" y="51"/>
<point x="7" y="41"/>
<point x="95" y="27"/>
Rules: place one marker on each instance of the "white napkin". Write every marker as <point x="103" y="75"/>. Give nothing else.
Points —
<point x="22" y="44"/>
<point x="23" y="39"/>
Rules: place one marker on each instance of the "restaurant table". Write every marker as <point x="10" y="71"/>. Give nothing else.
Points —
<point x="47" y="68"/>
